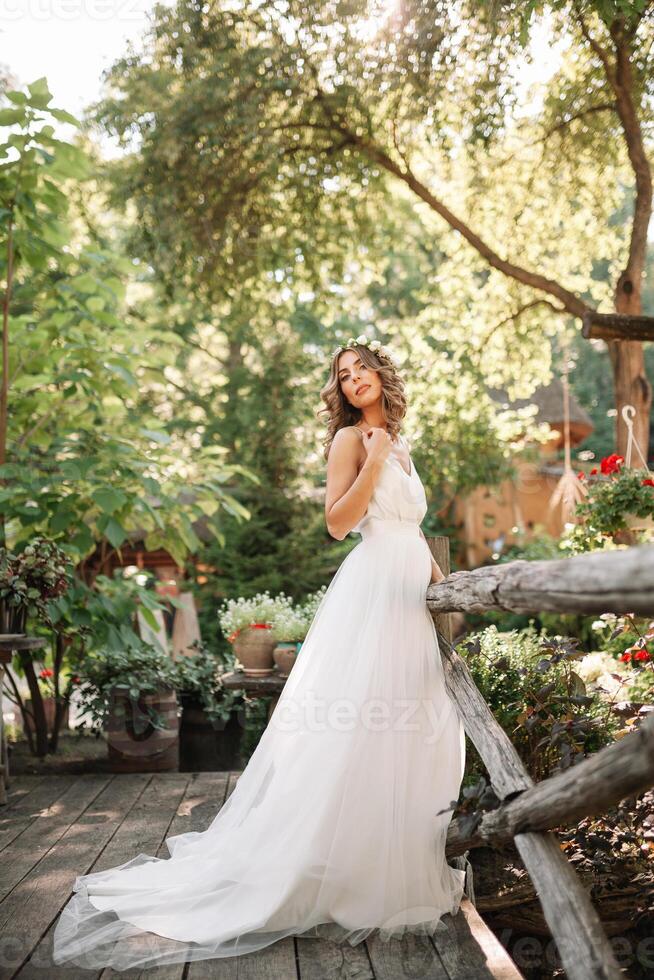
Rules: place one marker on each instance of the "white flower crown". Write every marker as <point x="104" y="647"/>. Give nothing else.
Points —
<point x="374" y="345"/>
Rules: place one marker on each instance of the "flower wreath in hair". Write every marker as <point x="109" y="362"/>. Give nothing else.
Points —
<point x="375" y="346"/>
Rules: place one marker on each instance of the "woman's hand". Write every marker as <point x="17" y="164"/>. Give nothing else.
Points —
<point x="377" y="444"/>
<point x="436" y="573"/>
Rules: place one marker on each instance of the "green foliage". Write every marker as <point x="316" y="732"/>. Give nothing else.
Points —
<point x="137" y="668"/>
<point x="235" y="194"/>
<point x="104" y="616"/>
<point x="87" y="462"/>
<point x="199" y="674"/>
<point x="541" y="702"/>
<point x="29" y="581"/>
<point x="641" y="688"/>
<point x="266" y="416"/>
<point x="610" y="499"/>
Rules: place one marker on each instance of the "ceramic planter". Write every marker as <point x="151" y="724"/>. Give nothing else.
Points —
<point x="285" y="655"/>
<point x="254" y="647"/>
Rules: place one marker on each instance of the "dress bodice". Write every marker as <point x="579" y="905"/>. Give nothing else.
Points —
<point x="397" y="495"/>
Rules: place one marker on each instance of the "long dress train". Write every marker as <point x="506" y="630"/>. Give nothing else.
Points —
<point x="333" y="828"/>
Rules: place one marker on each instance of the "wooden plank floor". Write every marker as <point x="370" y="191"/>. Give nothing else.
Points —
<point x="54" y="828"/>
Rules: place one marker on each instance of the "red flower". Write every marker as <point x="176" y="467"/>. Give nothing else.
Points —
<point x="649" y="482"/>
<point x="641" y="655"/>
<point x="46" y="672"/>
<point x="260" y="626"/>
<point x="581" y="475"/>
<point x="593" y="472"/>
<point x="612" y="463"/>
<point x="75" y="679"/>
<point x="625" y="658"/>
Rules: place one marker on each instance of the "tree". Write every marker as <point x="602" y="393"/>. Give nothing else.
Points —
<point x="265" y="133"/>
<point x="81" y="461"/>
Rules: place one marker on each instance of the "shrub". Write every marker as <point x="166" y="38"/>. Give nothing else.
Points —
<point x="536" y="695"/>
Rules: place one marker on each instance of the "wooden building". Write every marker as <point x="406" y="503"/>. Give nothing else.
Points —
<point x="490" y="518"/>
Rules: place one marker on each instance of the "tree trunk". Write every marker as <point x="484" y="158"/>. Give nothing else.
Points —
<point x="631" y="387"/>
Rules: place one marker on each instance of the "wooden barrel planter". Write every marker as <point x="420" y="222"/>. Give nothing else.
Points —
<point x="134" y="744"/>
<point x="205" y="745"/>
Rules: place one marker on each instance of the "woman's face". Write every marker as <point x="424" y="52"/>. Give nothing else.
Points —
<point x="361" y="385"/>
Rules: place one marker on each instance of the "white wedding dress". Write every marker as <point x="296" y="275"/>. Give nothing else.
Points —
<point x="333" y="829"/>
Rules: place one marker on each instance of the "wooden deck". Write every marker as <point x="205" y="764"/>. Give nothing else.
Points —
<point x="54" y="828"/>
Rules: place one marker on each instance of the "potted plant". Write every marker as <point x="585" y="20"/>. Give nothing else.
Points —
<point x="618" y="499"/>
<point x="131" y="694"/>
<point x="291" y="624"/>
<point x="31" y="580"/>
<point x="211" y="723"/>
<point x="293" y="628"/>
<point x="247" y="624"/>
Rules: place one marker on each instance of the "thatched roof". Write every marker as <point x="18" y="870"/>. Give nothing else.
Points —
<point x="549" y="400"/>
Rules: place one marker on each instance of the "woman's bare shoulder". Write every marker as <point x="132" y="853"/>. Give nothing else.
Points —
<point x="348" y="433"/>
<point x="347" y="444"/>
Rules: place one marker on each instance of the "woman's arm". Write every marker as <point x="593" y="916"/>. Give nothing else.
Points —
<point x="348" y="493"/>
<point x="436" y="572"/>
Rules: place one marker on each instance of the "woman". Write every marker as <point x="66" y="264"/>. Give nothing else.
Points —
<point x="337" y="825"/>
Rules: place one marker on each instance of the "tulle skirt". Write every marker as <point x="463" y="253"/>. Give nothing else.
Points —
<point x="334" y="827"/>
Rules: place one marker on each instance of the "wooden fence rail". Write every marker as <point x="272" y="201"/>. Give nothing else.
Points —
<point x="608" y="581"/>
<point x="619" y="581"/>
<point x="623" y="769"/>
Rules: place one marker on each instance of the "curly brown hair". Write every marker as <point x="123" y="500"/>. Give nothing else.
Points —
<point x="341" y="413"/>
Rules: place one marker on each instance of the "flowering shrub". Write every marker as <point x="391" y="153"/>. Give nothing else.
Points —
<point x="625" y="638"/>
<point x="538" y="696"/>
<point x="613" y="493"/>
<point x="600" y="671"/>
<point x="623" y="673"/>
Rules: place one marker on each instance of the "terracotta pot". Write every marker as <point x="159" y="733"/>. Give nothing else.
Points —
<point x="285" y="655"/>
<point x="134" y="744"/>
<point x="254" y="649"/>
<point x="49" y="708"/>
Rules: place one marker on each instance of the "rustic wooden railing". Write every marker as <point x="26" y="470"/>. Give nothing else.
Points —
<point x="620" y="581"/>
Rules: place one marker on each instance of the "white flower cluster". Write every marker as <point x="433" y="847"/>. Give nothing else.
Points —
<point x="312" y="602"/>
<point x="290" y="625"/>
<point x="287" y="621"/>
<point x="259" y="608"/>
<point x="596" y="666"/>
<point x="374" y="345"/>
